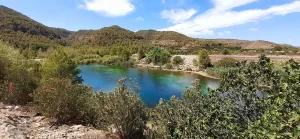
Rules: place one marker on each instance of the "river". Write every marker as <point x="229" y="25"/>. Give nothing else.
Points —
<point x="154" y="84"/>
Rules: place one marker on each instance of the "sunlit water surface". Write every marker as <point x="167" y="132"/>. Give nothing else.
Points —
<point x="154" y="84"/>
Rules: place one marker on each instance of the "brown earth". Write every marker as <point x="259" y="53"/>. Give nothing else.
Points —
<point x="16" y="123"/>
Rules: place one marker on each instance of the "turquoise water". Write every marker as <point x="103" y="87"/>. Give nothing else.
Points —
<point x="154" y="84"/>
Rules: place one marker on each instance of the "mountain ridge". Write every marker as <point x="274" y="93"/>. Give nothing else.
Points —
<point x="23" y="32"/>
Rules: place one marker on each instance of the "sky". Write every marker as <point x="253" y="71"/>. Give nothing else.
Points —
<point x="272" y="20"/>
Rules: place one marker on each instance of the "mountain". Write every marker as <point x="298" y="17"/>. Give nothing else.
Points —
<point x="107" y="36"/>
<point x="23" y="32"/>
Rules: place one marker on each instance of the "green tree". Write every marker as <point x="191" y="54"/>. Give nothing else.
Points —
<point x="204" y="60"/>
<point x="121" y="51"/>
<point x="60" y="65"/>
<point x="158" y="56"/>
<point x="141" y="53"/>
<point x="281" y="118"/>
<point x="177" y="60"/>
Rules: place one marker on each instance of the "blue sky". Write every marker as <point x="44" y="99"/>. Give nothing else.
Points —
<point x="272" y="20"/>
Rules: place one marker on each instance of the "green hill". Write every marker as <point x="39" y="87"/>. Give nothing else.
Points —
<point x="23" y="32"/>
<point x="107" y="36"/>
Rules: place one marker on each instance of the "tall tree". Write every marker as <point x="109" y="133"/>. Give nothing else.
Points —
<point x="204" y="60"/>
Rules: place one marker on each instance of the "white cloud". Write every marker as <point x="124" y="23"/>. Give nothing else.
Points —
<point x="109" y="7"/>
<point x="224" y="33"/>
<point x="139" y="19"/>
<point x="223" y="16"/>
<point x="177" y="15"/>
<point x="253" y="29"/>
<point x="163" y="1"/>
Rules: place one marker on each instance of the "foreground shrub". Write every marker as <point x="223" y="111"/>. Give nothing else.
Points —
<point x="62" y="100"/>
<point x="196" y="116"/>
<point x="177" y="60"/>
<point x="227" y="62"/>
<point x="122" y="110"/>
<point x="254" y="101"/>
<point x="18" y="72"/>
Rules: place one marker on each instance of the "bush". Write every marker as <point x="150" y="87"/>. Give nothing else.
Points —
<point x="195" y="62"/>
<point x="60" y="65"/>
<point x="219" y="71"/>
<point x="15" y="70"/>
<point x="204" y="60"/>
<point x="141" y="53"/>
<point x="227" y="62"/>
<point x="124" y="110"/>
<point x="226" y="52"/>
<point x="120" y="51"/>
<point x="158" y="56"/>
<point x="62" y="100"/>
<point x="168" y="66"/>
<point x="177" y="60"/>
<point x="278" y="48"/>
<point x="112" y="60"/>
<point x="254" y="101"/>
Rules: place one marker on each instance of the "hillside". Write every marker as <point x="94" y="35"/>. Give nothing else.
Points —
<point x="107" y="36"/>
<point x="23" y="32"/>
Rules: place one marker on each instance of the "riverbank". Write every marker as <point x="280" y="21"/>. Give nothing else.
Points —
<point x="202" y="73"/>
<point x="188" y="66"/>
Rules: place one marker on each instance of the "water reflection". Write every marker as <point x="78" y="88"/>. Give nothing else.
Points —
<point x="154" y="84"/>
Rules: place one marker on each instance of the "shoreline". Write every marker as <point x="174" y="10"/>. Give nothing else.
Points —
<point x="202" y="73"/>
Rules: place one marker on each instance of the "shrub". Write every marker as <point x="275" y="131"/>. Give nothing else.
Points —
<point x="112" y="60"/>
<point x="227" y="62"/>
<point x="168" y="66"/>
<point x="60" y="65"/>
<point x="158" y="56"/>
<point x="121" y="51"/>
<point x="204" y="60"/>
<point x="122" y="109"/>
<point x="18" y="71"/>
<point x="195" y="62"/>
<point x="60" y="99"/>
<point x="254" y="101"/>
<point x="177" y="60"/>
<point x="278" y="48"/>
<point x="219" y="71"/>
<point x="226" y="52"/>
<point x="141" y="53"/>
